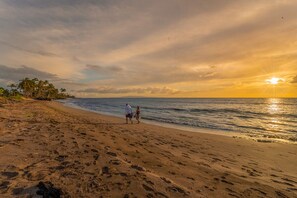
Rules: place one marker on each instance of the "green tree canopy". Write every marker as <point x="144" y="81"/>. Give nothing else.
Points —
<point x="35" y="88"/>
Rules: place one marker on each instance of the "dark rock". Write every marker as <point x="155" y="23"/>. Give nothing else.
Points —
<point x="47" y="190"/>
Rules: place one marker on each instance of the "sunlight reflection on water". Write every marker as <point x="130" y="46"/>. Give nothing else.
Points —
<point x="273" y="105"/>
<point x="274" y="108"/>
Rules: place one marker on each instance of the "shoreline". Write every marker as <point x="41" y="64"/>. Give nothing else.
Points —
<point x="89" y="154"/>
<point x="162" y="124"/>
<point x="192" y="129"/>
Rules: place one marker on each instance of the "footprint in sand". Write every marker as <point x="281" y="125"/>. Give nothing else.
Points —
<point x="165" y="180"/>
<point x="289" y="180"/>
<point x="258" y="190"/>
<point x="191" y="178"/>
<point x="225" y="166"/>
<point x="181" y="163"/>
<point x="94" y="150"/>
<point x="147" y="188"/>
<point x="115" y="162"/>
<point x="105" y="170"/>
<point x="177" y="189"/>
<point x="61" y="158"/>
<point x="96" y="156"/>
<point x="148" y="181"/>
<point x="227" y="182"/>
<point x="4" y="185"/>
<point x="137" y="167"/>
<point x="251" y="171"/>
<point x="112" y="154"/>
<point x="281" y="182"/>
<point x="9" y="174"/>
<point x="215" y="159"/>
<point x="35" y="176"/>
<point x="280" y="194"/>
<point x="123" y="174"/>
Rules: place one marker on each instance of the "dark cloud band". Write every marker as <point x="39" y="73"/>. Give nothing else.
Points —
<point x="15" y="74"/>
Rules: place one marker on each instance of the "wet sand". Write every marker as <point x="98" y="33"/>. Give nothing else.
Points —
<point x="90" y="155"/>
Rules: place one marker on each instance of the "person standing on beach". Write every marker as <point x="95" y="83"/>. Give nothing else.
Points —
<point x="129" y="113"/>
<point x="137" y="114"/>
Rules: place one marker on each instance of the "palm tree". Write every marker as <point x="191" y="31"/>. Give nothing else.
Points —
<point x="39" y="89"/>
<point x="62" y="90"/>
<point x="51" y="91"/>
<point x="27" y="86"/>
<point x="35" y="88"/>
<point x="13" y="91"/>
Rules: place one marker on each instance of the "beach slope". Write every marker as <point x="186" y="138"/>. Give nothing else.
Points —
<point x="85" y="154"/>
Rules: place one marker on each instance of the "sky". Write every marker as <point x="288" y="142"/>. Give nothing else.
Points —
<point x="150" y="48"/>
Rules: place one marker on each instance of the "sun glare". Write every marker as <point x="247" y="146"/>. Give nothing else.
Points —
<point x="274" y="80"/>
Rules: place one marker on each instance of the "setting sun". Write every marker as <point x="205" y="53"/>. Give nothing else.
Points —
<point x="274" y="80"/>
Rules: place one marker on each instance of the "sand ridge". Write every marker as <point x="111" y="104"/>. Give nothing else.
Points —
<point x="90" y="155"/>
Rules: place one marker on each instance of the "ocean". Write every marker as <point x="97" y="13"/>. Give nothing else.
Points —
<point x="272" y="119"/>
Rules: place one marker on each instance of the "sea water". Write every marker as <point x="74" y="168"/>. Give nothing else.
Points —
<point x="272" y="118"/>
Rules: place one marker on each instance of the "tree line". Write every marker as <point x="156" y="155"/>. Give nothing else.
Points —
<point x="34" y="88"/>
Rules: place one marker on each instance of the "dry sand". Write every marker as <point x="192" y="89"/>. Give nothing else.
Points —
<point x="90" y="155"/>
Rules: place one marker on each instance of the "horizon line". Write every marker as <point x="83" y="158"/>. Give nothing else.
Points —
<point x="131" y="97"/>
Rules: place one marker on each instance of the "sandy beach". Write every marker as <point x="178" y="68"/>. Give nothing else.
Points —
<point x="85" y="154"/>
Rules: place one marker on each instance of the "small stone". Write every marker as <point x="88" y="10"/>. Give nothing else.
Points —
<point x="47" y="189"/>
